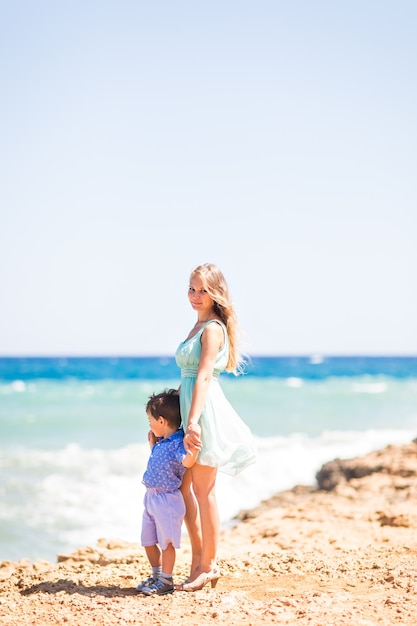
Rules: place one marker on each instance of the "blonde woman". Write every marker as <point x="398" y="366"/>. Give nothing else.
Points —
<point x="210" y="421"/>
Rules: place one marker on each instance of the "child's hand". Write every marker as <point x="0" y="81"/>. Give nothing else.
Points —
<point x="192" y="446"/>
<point x="192" y="451"/>
<point x="152" y="439"/>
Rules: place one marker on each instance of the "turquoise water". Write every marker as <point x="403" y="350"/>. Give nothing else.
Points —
<point x="73" y="437"/>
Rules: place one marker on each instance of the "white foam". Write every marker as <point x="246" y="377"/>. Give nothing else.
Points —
<point x="294" y="382"/>
<point x="19" y="386"/>
<point x="379" y="387"/>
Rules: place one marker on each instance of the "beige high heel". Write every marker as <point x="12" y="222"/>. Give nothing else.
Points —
<point x="202" y="579"/>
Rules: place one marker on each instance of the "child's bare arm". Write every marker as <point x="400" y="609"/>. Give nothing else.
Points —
<point x="191" y="457"/>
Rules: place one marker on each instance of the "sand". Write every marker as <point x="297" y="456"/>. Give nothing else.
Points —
<point x="342" y="552"/>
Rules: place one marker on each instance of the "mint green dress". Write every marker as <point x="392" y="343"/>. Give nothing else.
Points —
<point x="227" y="442"/>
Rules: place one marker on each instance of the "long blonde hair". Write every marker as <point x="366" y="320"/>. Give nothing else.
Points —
<point x="215" y="284"/>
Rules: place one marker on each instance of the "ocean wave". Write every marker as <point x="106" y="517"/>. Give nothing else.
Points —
<point x="367" y="387"/>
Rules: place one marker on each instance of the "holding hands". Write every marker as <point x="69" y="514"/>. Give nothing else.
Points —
<point x="192" y="446"/>
<point x="192" y="438"/>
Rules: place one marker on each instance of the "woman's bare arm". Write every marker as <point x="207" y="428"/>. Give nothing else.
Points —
<point x="211" y="341"/>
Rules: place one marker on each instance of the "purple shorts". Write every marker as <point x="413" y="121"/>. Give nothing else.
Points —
<point x="162" y="518"/>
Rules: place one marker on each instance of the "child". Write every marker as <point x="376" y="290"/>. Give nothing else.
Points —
<point x="164" y="507"/>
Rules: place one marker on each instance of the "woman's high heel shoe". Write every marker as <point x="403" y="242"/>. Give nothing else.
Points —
<point x="202" y="579"/>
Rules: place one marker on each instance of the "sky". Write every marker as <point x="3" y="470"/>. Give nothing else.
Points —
<point x="277" y="139"/>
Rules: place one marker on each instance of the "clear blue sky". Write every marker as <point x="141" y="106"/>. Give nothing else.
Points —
<point x="277" y="139"/>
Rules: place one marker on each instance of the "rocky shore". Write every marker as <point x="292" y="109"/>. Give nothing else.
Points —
<point x="339" y="553"/>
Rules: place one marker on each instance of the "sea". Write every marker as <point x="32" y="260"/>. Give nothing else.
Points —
<point x="73" y="437"/>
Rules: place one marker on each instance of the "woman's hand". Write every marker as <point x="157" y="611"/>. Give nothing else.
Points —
<point x="192" y="438"/>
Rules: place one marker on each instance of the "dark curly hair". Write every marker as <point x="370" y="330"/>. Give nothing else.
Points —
<point x="167" y="405"/>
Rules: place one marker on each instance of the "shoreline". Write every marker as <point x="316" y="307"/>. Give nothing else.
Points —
<point x="342" y="554"/>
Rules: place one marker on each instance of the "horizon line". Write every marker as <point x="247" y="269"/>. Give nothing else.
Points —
<point x="317" y="355"/>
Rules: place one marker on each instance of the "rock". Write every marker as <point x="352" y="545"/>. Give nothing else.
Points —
<point x="391" y="460"/>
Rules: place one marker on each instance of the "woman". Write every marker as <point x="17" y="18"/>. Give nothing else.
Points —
<point x="209" y="420"/>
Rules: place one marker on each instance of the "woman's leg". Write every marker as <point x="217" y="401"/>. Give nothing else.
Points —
<point x="204" y="482"/>
<point x="192" y="520"/>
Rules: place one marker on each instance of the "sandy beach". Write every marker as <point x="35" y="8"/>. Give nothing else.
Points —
<point x="341" y="552"/>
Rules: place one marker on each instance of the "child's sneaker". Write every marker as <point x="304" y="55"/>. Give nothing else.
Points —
<point x="159" y="588"/>
<point x="146" y="583"/>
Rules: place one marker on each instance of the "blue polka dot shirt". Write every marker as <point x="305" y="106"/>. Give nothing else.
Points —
<point x="165" y="469"/>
